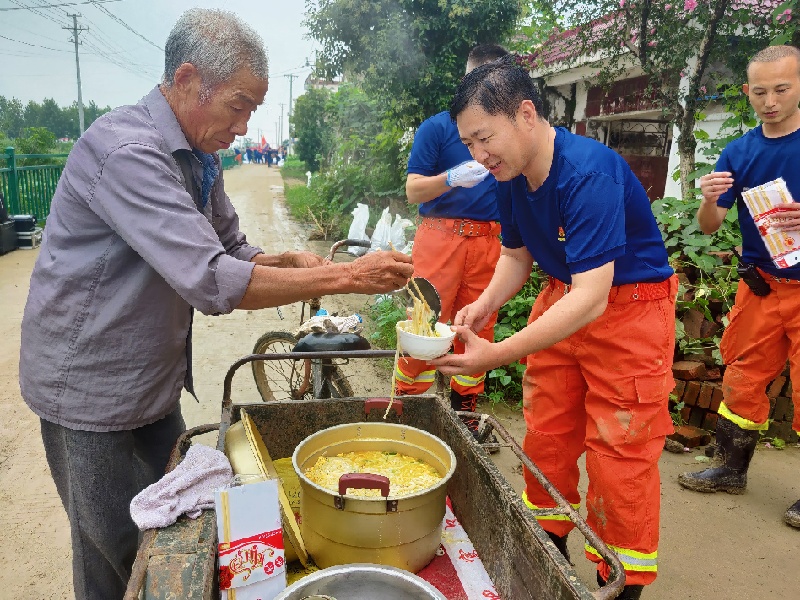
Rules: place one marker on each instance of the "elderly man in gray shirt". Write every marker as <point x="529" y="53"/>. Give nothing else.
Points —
<point x="140" y="234"/>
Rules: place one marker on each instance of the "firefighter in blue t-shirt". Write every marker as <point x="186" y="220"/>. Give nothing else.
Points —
<point x="457" y="245"/>
<point x="763" y="330"/>
<point x="601" y="335"/>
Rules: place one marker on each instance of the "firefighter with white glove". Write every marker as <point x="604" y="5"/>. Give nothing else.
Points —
<point x="468" y="174"/>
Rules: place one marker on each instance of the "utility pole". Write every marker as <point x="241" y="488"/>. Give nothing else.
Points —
<point x="291" y="80"/>
<point x="280" y="141"/>
<point x="75" y="31"/>
<point x="277" y="139"/>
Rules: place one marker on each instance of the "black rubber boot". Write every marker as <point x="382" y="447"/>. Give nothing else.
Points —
<point x="629" y="592"/>
<point x="734" y="450"/>
<point x="466" y="402"/>
<point x="792" y="516"/>
<point x="561" y="543"/>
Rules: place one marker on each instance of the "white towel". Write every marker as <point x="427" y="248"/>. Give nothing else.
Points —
<point x="188" y="488"/>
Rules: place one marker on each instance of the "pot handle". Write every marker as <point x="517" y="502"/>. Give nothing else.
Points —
<point x="364" y="481"/>
<point x="383" y="403"/>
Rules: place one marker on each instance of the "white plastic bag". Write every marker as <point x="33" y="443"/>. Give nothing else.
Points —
<point x="397" y="233"/>
<point x="358" y="229"/>
<point x="381" y="236"/>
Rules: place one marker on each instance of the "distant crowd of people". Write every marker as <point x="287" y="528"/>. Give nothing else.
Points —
<point x="255" y="155"/>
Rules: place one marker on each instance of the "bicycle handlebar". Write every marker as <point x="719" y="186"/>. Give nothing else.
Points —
<point x="340" y="243"/>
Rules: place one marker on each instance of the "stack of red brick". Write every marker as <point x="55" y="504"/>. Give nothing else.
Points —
<point x="700" y="389"/>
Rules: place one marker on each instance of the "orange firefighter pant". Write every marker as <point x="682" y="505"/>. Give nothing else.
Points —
<point x="460" y="267"/>
<point x="604" y="390"/>
<point x="763" y="331"/>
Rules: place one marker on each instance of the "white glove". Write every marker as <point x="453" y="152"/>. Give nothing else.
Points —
<point x="467" y="174"/>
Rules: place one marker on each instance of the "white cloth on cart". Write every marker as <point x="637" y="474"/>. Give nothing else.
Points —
<point x="187" y="489"/>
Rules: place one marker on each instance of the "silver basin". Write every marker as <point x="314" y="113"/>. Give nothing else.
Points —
<point x="361" y="582"/>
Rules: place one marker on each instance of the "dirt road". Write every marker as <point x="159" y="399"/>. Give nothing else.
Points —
<point x="716" y="546"/>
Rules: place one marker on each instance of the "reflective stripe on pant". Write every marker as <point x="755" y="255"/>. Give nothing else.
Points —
<point x="604" y="391"/>
<point x="762" y="332"/>
<point x="459" y="268"/>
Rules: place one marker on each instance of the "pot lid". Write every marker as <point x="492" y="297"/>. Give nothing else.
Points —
<point x="261" y="453"/>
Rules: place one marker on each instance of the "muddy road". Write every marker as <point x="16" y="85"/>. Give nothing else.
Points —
<point x="713" y="546"/>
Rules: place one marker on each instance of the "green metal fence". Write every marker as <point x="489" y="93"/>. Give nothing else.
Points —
<point x="228" y="158"/>
<point x="29" y="189"/>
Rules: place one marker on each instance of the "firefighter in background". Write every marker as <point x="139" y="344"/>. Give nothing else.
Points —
<point x="601" y="335"/>
<point x="764" y="323"/>
<point x="456" y="246"/>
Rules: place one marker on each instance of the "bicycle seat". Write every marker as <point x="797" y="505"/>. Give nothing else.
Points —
<point x="329" y="342"/>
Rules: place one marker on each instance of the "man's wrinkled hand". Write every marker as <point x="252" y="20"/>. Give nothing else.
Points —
<point x="302" y="260"/>
<point x="467" y="174"/>
<point x="380" y="272"/>
<point x="715" y="184"/>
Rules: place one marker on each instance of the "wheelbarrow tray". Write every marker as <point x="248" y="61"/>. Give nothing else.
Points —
<point x="516" y="552"/>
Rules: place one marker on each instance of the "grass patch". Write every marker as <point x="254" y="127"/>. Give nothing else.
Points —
<point x="293" y="168"/>
<point x="299" y="199"/>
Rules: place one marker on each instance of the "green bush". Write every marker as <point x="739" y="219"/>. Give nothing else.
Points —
<point x="709" y="282"/>
<point x="306" y="204"/>
<point x="293" y="168"/>
<point x="384" y="314"/>
<point x="504" y="384"/>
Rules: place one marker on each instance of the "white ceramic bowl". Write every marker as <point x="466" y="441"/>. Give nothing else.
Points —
<point x="423" y="347"/>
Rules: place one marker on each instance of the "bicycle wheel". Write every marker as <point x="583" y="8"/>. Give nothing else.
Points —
<point x="280" y="379"/>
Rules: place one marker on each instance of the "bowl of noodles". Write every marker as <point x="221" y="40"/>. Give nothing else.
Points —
<point x="424" y="342"/>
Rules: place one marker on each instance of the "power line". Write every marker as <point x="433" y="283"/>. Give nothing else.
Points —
<point x="104" y="47"/>
<point x="94" y="41"/>
<point x="132" y="59"/>
<point x="18" y="28"/>
<point x="125" y="25"/>
<point x="33" y="45"/>
<point x="34" y="10"/>
<point x="57" y="5"/>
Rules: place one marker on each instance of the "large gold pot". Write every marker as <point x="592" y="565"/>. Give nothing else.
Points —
<point x="401" y="532"/>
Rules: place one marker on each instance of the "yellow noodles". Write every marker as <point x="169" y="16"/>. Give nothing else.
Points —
<point x="406" y="475"/>
<point x="421" y="314"/>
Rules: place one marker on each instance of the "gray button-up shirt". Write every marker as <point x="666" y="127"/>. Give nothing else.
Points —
<point x="126" y="256"/>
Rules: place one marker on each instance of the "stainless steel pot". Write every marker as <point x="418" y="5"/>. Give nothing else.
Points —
<point x="339" y="529"/>
<point x="361" y="582"/>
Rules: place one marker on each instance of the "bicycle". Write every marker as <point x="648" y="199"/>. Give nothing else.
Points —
<point x="289" y="379"/>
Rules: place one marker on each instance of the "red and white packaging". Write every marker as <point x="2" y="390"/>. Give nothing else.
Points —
<point x="252" y="565"/>
<point x="764" y="203"/>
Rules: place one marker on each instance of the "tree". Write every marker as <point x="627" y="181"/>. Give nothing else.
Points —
<point x="707" y="43"/>
<point x="536" y="23"/>
<point x="35" y="140"/>
<point x="409" y="54"/>
<point x="62" y="122"/>
<point x="12" y="118"/>
<point x="312" y="127"/>
<point x="47" y="114"/>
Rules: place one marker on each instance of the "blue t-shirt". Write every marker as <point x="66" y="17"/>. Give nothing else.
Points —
<point x="437" y="148"/>
<point x="590" y="210"/>
<point x="754" y="160"/>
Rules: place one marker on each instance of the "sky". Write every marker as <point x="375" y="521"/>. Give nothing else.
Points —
<point x="121" y="54"/>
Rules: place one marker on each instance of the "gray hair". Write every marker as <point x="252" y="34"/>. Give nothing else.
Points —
<point x="217" y="43"/>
